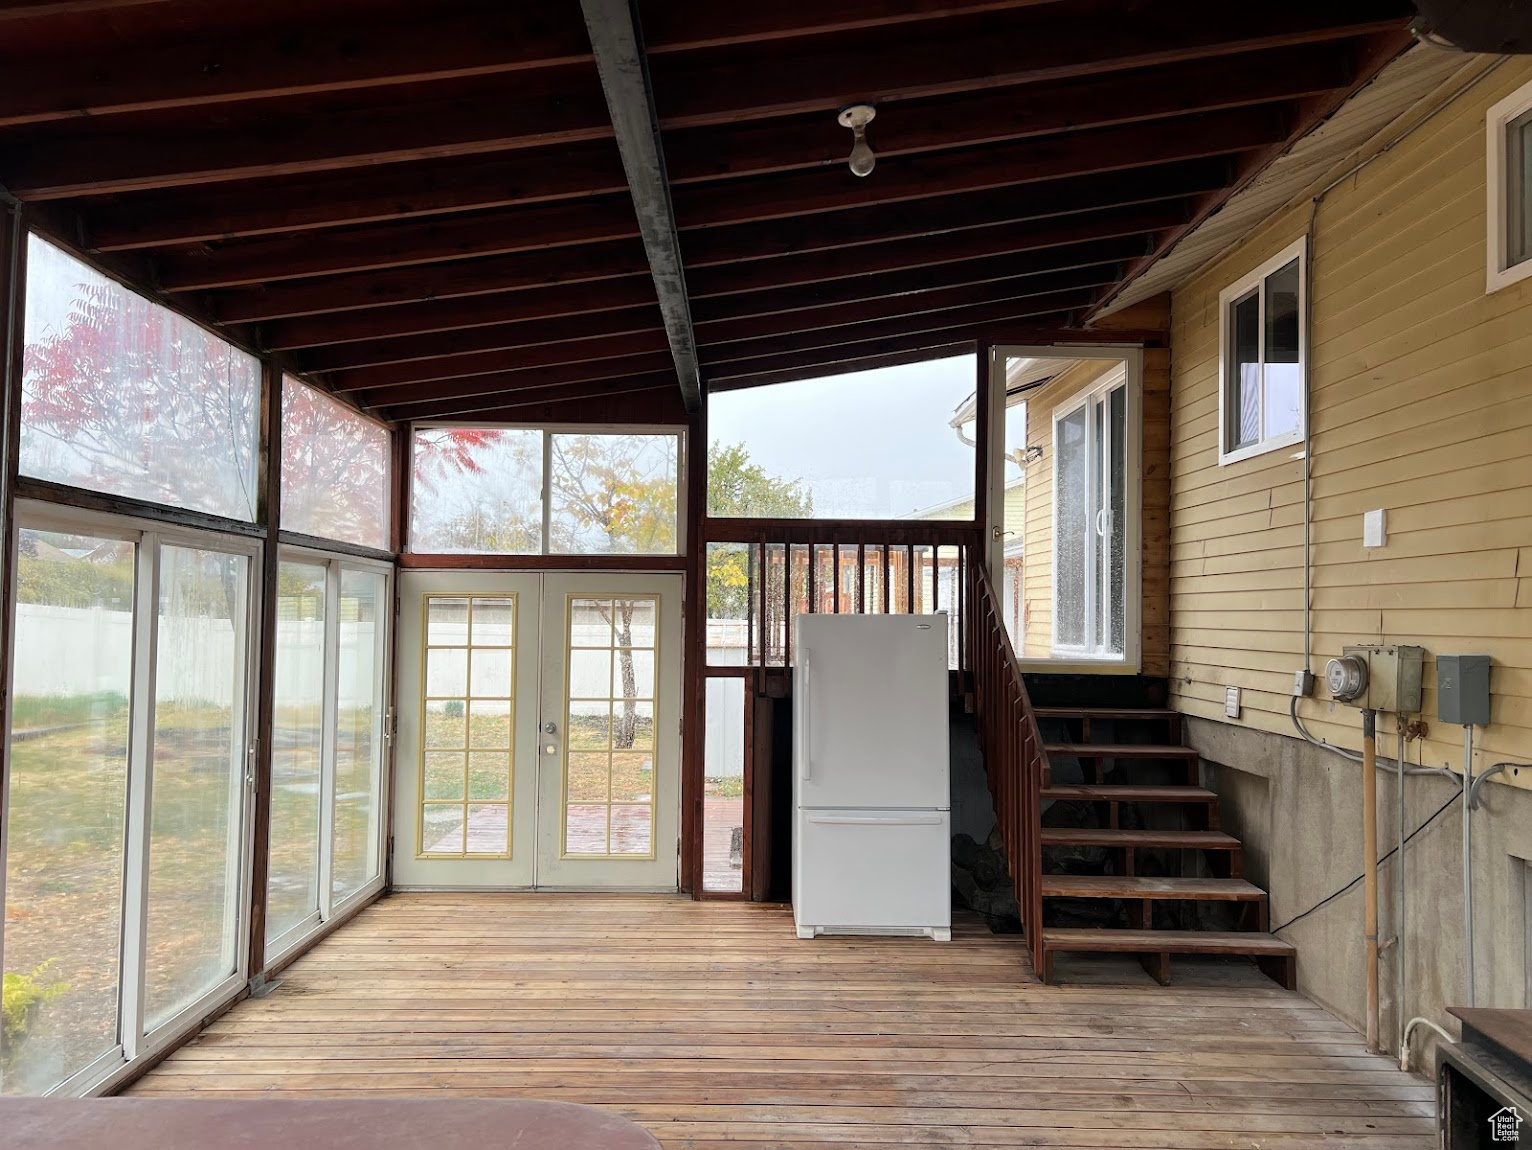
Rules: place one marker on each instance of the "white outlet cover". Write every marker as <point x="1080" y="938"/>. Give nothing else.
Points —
<point x="1374" y="528"/>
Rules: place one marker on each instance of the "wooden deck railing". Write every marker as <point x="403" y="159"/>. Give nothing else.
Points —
<point x="1013" y="750"/>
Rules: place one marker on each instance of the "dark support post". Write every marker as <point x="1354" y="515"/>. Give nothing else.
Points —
<point x="269" y="513"/>
<point x="13" y="276"/>
<point x="982" y="399"/>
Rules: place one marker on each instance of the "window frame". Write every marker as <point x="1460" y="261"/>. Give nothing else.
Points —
<point x="545" y="556"/>
<point x="278" y="949"/>
<point x="1499" y="272"/>
<point x="135" y="1044"/>
<point x="1256" y="280"/>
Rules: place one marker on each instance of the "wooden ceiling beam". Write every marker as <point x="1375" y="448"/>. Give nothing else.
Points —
<point x="525" y="335"/>
<point x="619" y="48"/>
<point x="469" y="363"/>
<point x="466" y="38"/>
<point x="41" y="9"/>
<point x="521" y="271"/>
<point x="412" y="394"/>
<point x="813" y="357"/>
<point x="1083" y="153"/>
<point x="445" y="315"/>
<point x="375" y="247"/>
<point x="931" y="251"/>
<point x="992" y="51"/>
<point x="1097" y="263"/>
<point x="515" y="404"/>
<point x="799" y="367"/>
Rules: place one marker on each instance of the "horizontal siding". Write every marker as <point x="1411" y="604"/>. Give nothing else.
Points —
<point x="1421" y="403"/>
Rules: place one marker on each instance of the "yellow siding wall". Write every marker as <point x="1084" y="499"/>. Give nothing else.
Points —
<point x="1421" y="403"/>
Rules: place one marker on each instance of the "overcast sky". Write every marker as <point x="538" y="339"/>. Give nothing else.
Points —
<point x="872" y="444"/>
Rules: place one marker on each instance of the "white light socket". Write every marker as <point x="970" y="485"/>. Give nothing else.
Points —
<point x="1374" y="528"/>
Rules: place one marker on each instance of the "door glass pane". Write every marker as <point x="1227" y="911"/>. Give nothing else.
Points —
<point x="467" y="755"/>
<point x="1519" y="194"/>
<point x="297" y="748"/>
<point x="359" y="730"/>
<point x="1244" y="400"/>
<point x="609" y="748"/>
<point x="199" y="769"/>
<point x="1073" y="513"/>
<point x="69" y="765"/>
<point x="723" y="804"/>
<point x="1283" y="382"/>
<point x="1096" y="559"/>
<point x="612" y="494"/>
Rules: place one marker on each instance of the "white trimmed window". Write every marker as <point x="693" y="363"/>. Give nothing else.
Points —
<point x="1508" y="152"/>
<point x="1264" y="347"/>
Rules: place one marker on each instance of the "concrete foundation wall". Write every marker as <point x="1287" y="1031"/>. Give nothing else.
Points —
<point x="1298" y="810"/>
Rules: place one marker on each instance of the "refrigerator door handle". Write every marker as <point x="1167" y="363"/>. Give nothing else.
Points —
<point x="890" y="820"/>
<point x="808" y="731"/>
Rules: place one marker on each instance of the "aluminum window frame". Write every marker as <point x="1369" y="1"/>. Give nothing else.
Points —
<point x="1501" y="181"/>
<point x="1228" y="411"/>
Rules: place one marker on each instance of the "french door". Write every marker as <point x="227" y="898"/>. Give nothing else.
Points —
<point x="539" y="730"/>
<point x="1091" y="522"/>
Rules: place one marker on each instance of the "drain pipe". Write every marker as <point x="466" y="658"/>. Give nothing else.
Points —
<point x="1370" y="867"/>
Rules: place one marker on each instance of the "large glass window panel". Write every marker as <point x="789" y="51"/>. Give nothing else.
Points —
<point x="71" y="688"/>
<point x="892" y="443"/>
<point x="297" y="747"/>
<point x="1519" y="194"/>
<point x="359" y="730"/>
<point x="198" y="778"/>
<point x="723" y="803"/>
<point x="476" y="490"/>
<point x="123" y="396"/>
<point x="612" y="494"/>
<point x="1282" y="379"/>
<point x="1245" y="389"/>
<point x="1072" y="551"/>
<point x="335" y="481"/>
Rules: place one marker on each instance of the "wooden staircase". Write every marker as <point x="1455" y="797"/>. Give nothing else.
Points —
<point x="1111" y="769"/>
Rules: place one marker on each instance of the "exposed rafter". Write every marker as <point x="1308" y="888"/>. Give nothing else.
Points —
<point x="619" y="47"/>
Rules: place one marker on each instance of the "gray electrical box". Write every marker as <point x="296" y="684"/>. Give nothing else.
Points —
<point x="1462" y="690"/>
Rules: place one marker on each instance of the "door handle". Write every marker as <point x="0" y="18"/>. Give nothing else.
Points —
<point x="551" y="728"/>
<point x="878" y="820"/>
<point x="803" y="719"/>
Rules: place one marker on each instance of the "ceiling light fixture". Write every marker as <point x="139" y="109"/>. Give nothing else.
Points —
<point x="857" y="117"/>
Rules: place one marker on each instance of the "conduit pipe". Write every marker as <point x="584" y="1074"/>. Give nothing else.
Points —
<point x="1404" y="1045"/>
<point x="1468" y="789"/>
<point x="1370" y="867"/>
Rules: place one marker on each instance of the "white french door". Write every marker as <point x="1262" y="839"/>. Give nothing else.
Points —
<point x="1090" y="438"/>
<point x="539" y="730"/>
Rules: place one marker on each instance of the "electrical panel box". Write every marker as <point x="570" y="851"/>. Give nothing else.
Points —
<point x="1462" y="690"/>
<point x="1392" y="681"/>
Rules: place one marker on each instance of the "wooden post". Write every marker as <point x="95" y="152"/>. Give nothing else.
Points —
<point x="269" y="509"/>
<point x="982" y="399"/>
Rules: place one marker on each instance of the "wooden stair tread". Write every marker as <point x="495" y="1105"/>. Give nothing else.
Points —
<point x="1119" y="751"/>
<point x="1128" y="793"/>
<point x="1104" y="713"/>
<point x="1137" y="886"/>
<point x="1161" y="941"/>
<point x="1142" y="837"/>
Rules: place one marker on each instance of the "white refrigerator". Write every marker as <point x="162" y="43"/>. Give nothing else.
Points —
<point x="872" y="826"/>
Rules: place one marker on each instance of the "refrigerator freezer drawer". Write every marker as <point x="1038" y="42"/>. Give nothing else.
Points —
<point x="873" y="872"/>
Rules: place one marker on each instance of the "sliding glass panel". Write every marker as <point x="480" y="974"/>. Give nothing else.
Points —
<point x="198" y="779"/>
<point x="359" y="730"/>
<point x="723" y="804"/>
<point x="297" y="748"/>
<point x="1282" y="397"/>
<point x="71" y="688"/>
<point x="612" y="494"/>
<point x="121" y="395"/>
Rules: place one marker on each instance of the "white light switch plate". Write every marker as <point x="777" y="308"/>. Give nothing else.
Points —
<point x="1374" y="528"/>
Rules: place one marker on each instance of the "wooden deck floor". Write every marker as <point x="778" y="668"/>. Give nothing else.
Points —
<point x="709" y="1023"/>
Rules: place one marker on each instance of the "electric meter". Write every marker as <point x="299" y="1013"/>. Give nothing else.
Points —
<point x="1346" y="677"/>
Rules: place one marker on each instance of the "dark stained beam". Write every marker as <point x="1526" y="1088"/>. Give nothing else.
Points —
<point x="446" y="40"/>
<point x="794" y="368"/>
<point x="564" y="106"/>
<point x="526" y="335"/>
<point x="994" y="50"/>
<point x="406" y="395"/>
<point x="516" y="404"/>
<point x="375" y="247"/>
<point x="392" y="192"/>
<point x="470" y="363"/>
<point x="929" y="251"/>
<point x="619" y="49"/>
<point x="813" y="357"/>
<point x="38" y="9"/>
<point x="979" y="169"/>
<point x="444" y="315"/>
<point x="518" y="272"/>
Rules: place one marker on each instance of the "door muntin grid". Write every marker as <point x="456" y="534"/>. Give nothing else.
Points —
<point x="467" y="762"/>
<point x="611" y="657"/>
